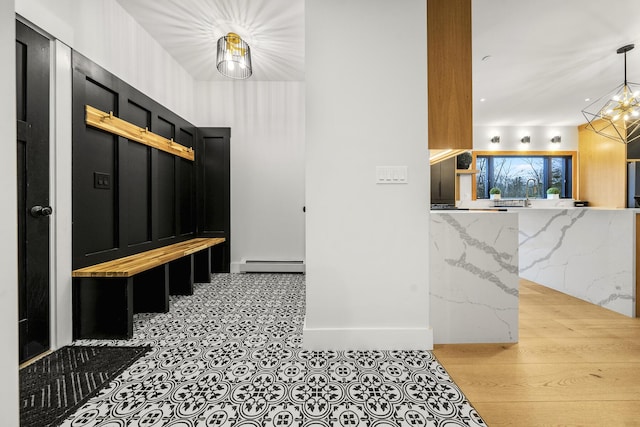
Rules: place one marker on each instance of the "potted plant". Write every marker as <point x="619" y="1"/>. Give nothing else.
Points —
<point x="494" y="193"/>
<point x="553" y="193"/>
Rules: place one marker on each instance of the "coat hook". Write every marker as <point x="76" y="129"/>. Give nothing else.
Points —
<point x="145" y="130"/>
<point x="107" y="116"/>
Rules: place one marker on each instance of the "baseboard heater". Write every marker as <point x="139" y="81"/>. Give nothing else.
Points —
<point x="271" y="266"/>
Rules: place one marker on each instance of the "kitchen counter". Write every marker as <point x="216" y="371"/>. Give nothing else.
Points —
<point x="474" y="276"/>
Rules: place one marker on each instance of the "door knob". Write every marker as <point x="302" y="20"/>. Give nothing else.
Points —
<point x="38" y="210"/>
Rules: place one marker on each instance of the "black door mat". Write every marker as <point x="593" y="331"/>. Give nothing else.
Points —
<point x="55" y="386"/>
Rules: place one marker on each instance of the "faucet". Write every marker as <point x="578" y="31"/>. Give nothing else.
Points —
<point x="527" y="202"/>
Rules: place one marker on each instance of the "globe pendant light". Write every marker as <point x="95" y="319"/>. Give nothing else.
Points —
<point x="616" y="115"/>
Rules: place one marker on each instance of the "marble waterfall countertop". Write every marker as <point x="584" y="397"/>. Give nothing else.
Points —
<point x="474" y="276"/>
<point x="588" y="253"/>
<point x="477" y="258"/>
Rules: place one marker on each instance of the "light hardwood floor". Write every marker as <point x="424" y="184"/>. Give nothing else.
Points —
<point x="575" y="364"/>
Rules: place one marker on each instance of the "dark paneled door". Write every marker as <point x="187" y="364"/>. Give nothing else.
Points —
<point x="32" y="105"/>
<point x="214" y="192"/>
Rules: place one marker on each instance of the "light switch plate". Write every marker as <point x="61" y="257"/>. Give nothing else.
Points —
<point x="101" y="181"/>
<point x="392" y="175"/>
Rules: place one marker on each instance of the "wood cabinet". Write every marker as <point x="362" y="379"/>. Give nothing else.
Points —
<point x="443" y="181"/>
<point x="602" y="170"/>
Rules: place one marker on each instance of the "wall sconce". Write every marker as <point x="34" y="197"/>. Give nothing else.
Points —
<point x="495" y="139"/>
<point x="526" y="139"/>
<point x="556" y="139"/>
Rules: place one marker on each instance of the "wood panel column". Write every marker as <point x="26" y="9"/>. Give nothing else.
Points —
<point x="449" y="74"/>
<point x="637" y="264"/>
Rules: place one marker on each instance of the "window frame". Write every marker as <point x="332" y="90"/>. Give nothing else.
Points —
<point x="572" y="154"/>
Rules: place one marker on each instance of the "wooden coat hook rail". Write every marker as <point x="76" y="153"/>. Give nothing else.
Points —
<point x="109" y="123"/>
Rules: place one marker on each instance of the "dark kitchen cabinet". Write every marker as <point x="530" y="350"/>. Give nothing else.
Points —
<point x="443" y="181"/>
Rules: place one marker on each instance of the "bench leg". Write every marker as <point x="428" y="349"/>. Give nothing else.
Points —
<point x="151" y="291"/>
<point x="220" y="258"/>
<point x="181" y="276"/>
<point x="202" y="266"/>
<point x="103" y="308"/>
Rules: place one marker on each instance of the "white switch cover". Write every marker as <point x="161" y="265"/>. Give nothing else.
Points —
<point x="392" y="175"/>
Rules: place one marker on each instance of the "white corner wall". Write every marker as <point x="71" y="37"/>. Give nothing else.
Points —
<point x="366" y="244"/>
<point x="8" y="223"/>
<point x="267" y="164"/>
<point x="61" y="182"/>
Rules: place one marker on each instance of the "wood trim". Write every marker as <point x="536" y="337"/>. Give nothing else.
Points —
<point x="637" y="295"/>
<point x="109" y="123"/>
<point x="524" y="153"/>
<point x="143" y="261"/>
<point x="466" y="171"/>
<point x="437" y="156"/>
<point x="574" y="164"/>
<point x="450" y="114"/>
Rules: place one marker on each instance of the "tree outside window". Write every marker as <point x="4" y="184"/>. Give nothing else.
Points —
<point x="522" y="176"/>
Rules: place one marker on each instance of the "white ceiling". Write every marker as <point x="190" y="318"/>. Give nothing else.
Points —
<point x="190" y="29"/>
<point x="546" y="56"/>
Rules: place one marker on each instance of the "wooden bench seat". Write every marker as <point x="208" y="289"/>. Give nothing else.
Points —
<point x="137" y="263"/>
<point x="106" y="295"/>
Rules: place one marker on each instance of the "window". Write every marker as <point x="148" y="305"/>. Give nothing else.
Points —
<point x="520" y="174"/>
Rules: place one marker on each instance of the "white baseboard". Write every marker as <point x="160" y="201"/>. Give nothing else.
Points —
<point x="267" y="267"/>
<point x="407" y="339"/>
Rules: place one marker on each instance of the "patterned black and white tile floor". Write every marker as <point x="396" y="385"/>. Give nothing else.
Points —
<point x="231" y="355"/>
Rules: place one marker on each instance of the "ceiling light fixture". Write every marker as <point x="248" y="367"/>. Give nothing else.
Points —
<point x="556" y="139"/>
<point x="495" y="139"/>
<point x="234" y="57"/>
<point x="526" y="139"/>
<point x="619" y="115"/>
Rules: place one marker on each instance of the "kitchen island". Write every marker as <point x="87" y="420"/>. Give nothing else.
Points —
<point x="588" y="253"/>
<point x="477" y="257"/>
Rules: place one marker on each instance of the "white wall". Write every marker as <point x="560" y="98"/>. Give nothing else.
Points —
<point x="367" y="243"/>
<point x="267" y="164"/>
<point x="8" y="223"/>
<point x="510" y="137"/>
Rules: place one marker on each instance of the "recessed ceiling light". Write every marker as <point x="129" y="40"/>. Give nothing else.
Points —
<point x="482" y="99"/>
<point x="587" y="99"/>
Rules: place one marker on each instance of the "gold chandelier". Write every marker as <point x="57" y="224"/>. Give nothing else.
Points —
<point x="618" y="118"/>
